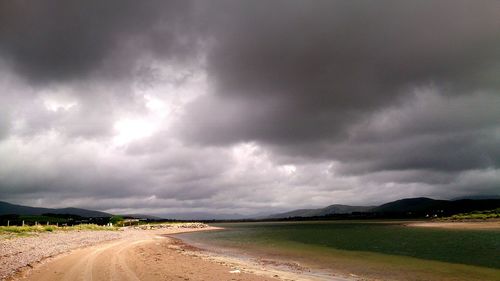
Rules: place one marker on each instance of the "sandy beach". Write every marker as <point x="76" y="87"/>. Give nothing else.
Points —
<point x="153" y="254"/>
<point x="133" y="254"/>
<point x="489" y="224"/>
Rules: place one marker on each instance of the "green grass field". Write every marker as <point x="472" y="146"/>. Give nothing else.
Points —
<point x="381" y="250"/>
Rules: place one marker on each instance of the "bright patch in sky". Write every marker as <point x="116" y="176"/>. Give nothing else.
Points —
<point x="129" y="130"/>
<point x="55" y="105"/>
<point x="288" y="169"/>
<point x="156" y="105"/>
<point x="135" y="128"/>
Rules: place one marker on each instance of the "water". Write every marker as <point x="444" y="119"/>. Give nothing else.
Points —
<point x="313" y="240"/>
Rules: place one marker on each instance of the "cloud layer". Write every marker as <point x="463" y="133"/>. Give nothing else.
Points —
<point x="229" y="107"/>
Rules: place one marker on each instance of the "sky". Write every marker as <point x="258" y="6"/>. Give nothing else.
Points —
<point x="247" y="107"/>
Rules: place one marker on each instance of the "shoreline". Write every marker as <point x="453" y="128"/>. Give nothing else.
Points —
<point x="265" y="266"/>
<point x="138" y="254"/>
<point x="158" y="253"/>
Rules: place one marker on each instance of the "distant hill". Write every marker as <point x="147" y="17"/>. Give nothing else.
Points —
<point x="10" y="209"/>
<point x="202" y="216"/>
<point x="409" y="207"/>
<point x="329" y="210"/>
<point x="420" y="206"/>
<point x="142" y="216"/>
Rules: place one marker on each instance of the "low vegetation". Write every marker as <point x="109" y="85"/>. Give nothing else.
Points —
<point x="477" y="215"/>
<point x="88" y="227"/>
<point x="50" y="228"/>
<point x="51" y="219"/>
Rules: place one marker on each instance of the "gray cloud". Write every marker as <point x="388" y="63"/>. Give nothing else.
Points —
<point x="308" y="73"/>
<point x="430" y="131"/>
<point x="224" y="107"/>
<point x="4" y="125"/>
<point x="54" y="40"/>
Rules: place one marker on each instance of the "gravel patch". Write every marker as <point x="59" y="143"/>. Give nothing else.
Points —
<point x="17" y="253"/>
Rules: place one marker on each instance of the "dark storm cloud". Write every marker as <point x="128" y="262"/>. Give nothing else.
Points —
<point x="299" y="72"/>
<point x="475" y="150"/>
<point x="429" y="132"/>
<point x="172" y="106"/>
<point x="55" y="40"/>
<point x="303" y="83"/>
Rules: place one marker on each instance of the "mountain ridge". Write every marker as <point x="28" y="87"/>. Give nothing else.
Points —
<point x="408" y="206"/>
<point x="9" y="208"/>
<point x="328" y="210"/>
<point x="419" y="206"/>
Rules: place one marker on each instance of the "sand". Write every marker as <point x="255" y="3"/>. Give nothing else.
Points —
<point x="141" y="255"/>
<point x="488" y="224"/>
<point x="149" y="255"/>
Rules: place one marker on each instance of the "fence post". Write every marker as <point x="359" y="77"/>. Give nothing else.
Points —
<point x="8" y="222"/>
<point x="57" y="224"/>
<point x="23" y="222"/>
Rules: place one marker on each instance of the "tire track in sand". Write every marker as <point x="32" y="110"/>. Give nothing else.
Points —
<point x="118" y="261"/>
<point x="87" y="263"/>
<point x="101" y="262"/>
